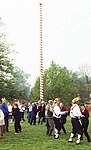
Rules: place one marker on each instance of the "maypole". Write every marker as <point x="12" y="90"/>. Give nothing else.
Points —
<point x="41" y="58"/>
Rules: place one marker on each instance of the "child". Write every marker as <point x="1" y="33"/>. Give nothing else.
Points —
<point x="2" y="123"/>
<point x="17" y="118"/>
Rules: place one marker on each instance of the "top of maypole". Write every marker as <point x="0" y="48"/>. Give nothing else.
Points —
<point x="41" y="2"/>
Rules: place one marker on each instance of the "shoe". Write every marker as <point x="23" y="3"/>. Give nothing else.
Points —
<point x="70" y="140"/>
<point x="16" y="133"/>
<point x="56" y="136"/>
<point x="78" y="142"/>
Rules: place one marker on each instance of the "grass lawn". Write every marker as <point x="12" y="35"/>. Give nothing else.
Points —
<point x="35" y="138"/>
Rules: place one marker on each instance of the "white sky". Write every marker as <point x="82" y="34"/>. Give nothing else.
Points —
<point x="66" y="32"/>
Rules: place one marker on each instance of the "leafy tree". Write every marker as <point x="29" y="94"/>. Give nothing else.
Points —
<point x="13" y="81"/>
<point x="35" y="91"/>
<point x="19" y="81"/>
<point x="6" y="66"/>
<point x="84" y="75"/>
<point x="58" y="82"/>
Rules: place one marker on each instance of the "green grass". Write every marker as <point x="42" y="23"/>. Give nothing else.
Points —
<point x="35" y="138"/>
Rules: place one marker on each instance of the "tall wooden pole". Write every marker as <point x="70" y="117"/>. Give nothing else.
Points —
<point x="41" y="58"/>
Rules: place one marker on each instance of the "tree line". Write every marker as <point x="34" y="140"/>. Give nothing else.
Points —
<point x="63" y="83"/>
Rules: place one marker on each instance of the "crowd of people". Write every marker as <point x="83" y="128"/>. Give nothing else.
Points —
<point x="53" y="114"/>
<point x="8" y="114"/>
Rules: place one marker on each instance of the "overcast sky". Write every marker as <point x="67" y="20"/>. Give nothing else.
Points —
<point x="66" y="32"/>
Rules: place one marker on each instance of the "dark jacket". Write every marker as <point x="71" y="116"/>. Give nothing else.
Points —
<point x="34" y="110"/>
<point x="63" y="117"/>
<point x="42" y="111"/>
<point x="85" y="119"/>
<point x="16" y="114"/>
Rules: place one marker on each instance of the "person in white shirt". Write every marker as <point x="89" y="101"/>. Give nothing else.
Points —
<point x="10" y="113"/>
<point x="76" y="115"/>
<point x="22" y="111"/>
<point x="56" y="117"/>
<point x="2" y="123"/>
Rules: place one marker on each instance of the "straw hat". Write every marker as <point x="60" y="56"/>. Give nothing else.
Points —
<point x="57" y="99"/>
<point x="61" y="104"/>
<point x="49" y="101"/>
<point x="76" y="99"/>
<point x="42" y="102"/>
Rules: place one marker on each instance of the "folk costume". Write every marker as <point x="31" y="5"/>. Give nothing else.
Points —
<point x="76" y="116"/>
<point x="56" y="117"/>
